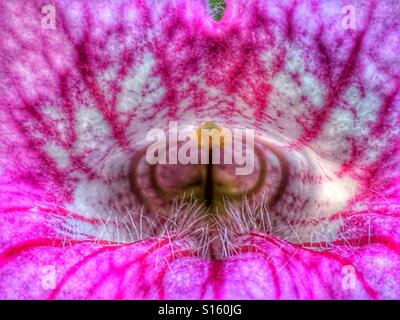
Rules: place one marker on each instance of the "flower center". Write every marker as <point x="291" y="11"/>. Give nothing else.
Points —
<point x="213" y="175"/>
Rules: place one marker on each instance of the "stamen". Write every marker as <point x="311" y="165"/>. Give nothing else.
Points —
<point x="209" y="183"/>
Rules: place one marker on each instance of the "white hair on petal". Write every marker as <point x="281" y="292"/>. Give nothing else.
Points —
<point x="207" y="234"/>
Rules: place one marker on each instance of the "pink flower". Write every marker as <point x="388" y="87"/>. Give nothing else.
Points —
<point x="76" y="103"/>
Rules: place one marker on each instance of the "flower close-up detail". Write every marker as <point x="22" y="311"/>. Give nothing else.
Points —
<point x="310" y="88"/>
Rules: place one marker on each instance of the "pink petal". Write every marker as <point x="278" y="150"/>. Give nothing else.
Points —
<point x="78" y="100"/>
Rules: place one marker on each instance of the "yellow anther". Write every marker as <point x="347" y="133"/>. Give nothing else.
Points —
<point x="210" y="134"/>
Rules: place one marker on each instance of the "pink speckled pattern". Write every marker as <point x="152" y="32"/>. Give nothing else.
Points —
<point x="76" y="102"/>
